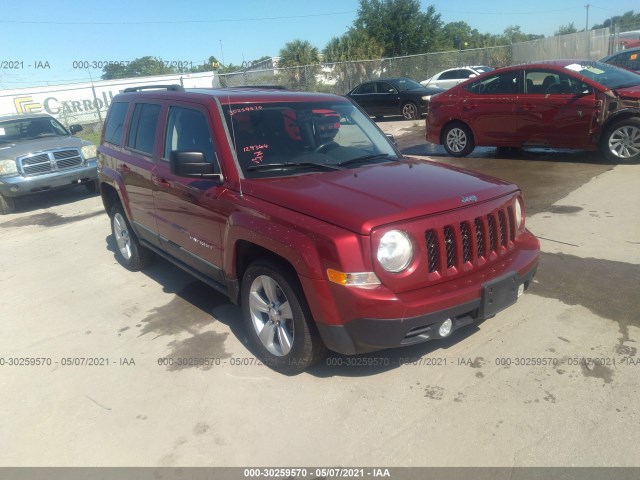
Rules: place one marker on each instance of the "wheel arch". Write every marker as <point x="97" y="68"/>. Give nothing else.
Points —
<point x="625" y="114"/>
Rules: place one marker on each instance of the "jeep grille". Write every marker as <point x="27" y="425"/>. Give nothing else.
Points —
<point x="460" y="244"/>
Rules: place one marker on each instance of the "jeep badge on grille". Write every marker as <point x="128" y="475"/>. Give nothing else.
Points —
<point x="468" y="198"/>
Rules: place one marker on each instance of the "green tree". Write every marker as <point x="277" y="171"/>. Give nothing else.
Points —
<point x="566" y="29"/>
<point x="298" y="52"/>
<point x="140" y="67"/>
<point x="353" y="45"/>
<point x="399" y="26"/>
<point x="627" y="21"/>
<point x="299" y="64"/>
<point x="513" y="34"/>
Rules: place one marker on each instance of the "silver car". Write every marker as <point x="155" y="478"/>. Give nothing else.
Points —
<point x="37" y="153"/>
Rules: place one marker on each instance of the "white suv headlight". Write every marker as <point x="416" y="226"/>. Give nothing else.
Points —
<point x="395" y="251"/>
<point x="88" y="151"/>
<point x="8" y="167"/>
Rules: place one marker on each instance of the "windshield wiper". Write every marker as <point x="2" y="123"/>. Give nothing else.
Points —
<point x="363" y="159"/>
<point x="280" y="166"/>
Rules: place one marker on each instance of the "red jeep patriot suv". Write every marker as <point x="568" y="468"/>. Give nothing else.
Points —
<point x="298" y="208"/>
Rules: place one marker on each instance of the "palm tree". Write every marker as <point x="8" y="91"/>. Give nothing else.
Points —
<point x="300" y="60"/>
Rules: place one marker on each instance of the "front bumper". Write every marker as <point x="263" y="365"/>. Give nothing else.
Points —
<point x="19" y="186"/>
<point x="369" y="334"/>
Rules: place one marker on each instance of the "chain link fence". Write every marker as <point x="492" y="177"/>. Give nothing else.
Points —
<point x="341" y="77"/>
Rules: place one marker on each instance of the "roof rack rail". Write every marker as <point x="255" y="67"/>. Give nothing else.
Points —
<point x="173" y="88"/>
<point x="264" y="87"/>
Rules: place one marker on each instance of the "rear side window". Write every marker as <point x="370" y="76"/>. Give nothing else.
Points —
<point x="143" y="127"/>
<point x="115" y="123"/>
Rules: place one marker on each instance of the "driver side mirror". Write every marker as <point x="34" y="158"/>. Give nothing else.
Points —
<point x="192" y="164"/>
<point x="75" y="128"/>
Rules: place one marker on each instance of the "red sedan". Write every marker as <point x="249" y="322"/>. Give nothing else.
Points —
<point x="578" y="104"/>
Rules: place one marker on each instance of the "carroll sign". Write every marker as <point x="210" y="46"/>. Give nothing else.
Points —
<point x="87" y="103"/>
<point x="54" y="106"/>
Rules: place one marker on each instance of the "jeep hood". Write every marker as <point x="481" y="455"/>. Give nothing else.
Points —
<point x="19" y="148"/>
<point x="363" y="198"/>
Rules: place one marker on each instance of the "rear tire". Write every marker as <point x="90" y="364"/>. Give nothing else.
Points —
<point x="621" y="141"/>
<point x="129" y="253"/>
<point x="277" y="319"/>
<point x="458" y="140"/>
<point x="7" y="205"/>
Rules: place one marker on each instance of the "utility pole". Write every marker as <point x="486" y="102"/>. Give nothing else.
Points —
<point x="587" y="7"/>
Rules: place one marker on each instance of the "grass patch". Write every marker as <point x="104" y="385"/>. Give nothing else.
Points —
<point x="93" y="137"/>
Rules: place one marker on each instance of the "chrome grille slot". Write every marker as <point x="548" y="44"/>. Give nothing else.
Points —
<point x="466" y="242"/>
<point x="512" y="224"/>
<point x="479" y="237"/>
<point x="493" y="244"/>
<point x="503" y="228"/>
<point x="432" y="250"/>
<point x="450" y="245"/>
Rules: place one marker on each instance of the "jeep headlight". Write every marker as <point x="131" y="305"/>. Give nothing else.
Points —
<point x="8" y="167"/>
<point x="88" y="151"/>
<point x="519" y="213"/>
<point x="395" y="251"/>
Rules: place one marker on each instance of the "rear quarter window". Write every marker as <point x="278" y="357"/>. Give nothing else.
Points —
<point x="142" y="131"/>
<point x="115" y="123"/>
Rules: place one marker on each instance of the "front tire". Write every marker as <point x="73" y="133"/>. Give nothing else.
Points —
<point x="410" y="111"/>
<point x="277" y="319"/>
<point x="129" y="253"/>
<point x="458" y="140"/>
<point x="7" y="205"/>
<point x="621" y="141"/>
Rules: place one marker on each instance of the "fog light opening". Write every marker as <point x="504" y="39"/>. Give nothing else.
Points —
<point x="445" y="328"/>
<point x="520" y="289"/>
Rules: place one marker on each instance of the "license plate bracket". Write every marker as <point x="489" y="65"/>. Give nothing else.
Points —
<point x="499" y="294"/>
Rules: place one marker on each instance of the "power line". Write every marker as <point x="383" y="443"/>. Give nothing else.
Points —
<point x="173" y="22"/>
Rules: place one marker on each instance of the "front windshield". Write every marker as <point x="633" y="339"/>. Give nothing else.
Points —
<point x="406" y="84"/>
<point x="30" y="128"/>
<point x="610" y="76"/>
<point x="293" y="138"/>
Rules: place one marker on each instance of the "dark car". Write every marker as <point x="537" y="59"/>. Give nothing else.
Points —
<point x="297" y="207"/>
<point x="578" y="104"/>
<point x="629" y="59"/>
<point x="393" y="96"/>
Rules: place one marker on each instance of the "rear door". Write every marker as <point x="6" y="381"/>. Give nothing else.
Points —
<point x="489" y="106"/>
<point x="188" y="209"/>
<point x="136" y="166"/>
<point x="365" y="96"/>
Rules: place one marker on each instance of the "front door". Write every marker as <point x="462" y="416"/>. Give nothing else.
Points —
<point x="187" y="209"/>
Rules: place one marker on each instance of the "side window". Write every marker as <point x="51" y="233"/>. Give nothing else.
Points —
<point x="450" y="75"/>
<point x="500" y="84"/>
<point x="115" y="123"/>
<point x="366" y="88"/>
<point x="142" y="131"/>
<point x="384" y="87"/>
<point x="548" y="82"/>
<point x="188" y="131"/>
<point x="464" y="73"/>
